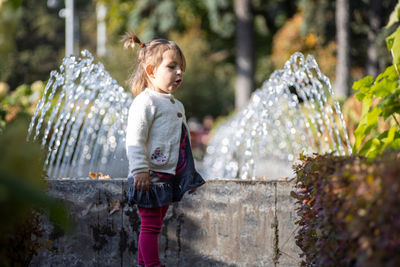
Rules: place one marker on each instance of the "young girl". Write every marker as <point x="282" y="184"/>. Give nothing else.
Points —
<point x="161" y="167"/>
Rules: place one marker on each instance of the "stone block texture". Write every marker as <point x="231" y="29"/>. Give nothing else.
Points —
<point x="225" y="223"/>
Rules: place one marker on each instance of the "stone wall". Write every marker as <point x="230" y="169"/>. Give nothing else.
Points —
<point x="225" y="223"/>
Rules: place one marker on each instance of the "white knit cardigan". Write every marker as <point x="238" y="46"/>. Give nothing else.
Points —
<point x="153" y="132"/>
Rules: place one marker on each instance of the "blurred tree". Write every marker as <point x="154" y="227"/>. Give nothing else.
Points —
<point x="244" y="53"/>
<point x="32" y="39"/>
<point x="36" y="38"/>
<point x="211" y="91"/>
<point x="319" y="19"/>
<point x="22" y="100"/>
<point x="151" y="19"/>
<point x="207" y="87"/>
<point x="375" y="24"/>
<point x="343" y="48"/>
<point x="256" y="24"/>
<point x="116" y="60"/>
<point x="289" y="40"/>
<point x="9" y="17"/>
<point x="35" y="44"/>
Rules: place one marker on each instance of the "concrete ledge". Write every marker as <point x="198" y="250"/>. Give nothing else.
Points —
<point x="225" y="223"/>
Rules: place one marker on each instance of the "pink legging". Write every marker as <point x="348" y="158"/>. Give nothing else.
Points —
<point x="151" y="223"/>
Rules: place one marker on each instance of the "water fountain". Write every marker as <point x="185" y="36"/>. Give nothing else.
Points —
<point x="86" y="111"/>
<point x="81" y="121"/>
<point x="293" y="112"/>
<point x="85" y="128"/>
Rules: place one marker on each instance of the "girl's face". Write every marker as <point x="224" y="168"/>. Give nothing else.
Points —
<point x="167" y="76"/>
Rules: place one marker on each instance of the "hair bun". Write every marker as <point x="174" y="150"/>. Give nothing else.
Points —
<point x="130" y="39"/>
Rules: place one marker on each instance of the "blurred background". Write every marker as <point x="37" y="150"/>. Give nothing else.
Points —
<point x="231" y="46"/>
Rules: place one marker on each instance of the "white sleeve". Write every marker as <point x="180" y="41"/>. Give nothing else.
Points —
<point x="140" y="119"/>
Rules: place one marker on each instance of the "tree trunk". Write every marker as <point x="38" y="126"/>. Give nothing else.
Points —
<point x="372" y="66"/>
<point x="69" y="28"/>
<point x="101" y="12"/>
<point x="244" y="53"/>
<point x="343" y="50"/>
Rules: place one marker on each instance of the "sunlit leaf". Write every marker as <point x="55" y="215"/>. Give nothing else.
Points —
<point x="394" y="16"/>
<point x="372" y="150"/>
<point x="359" y="134"/>
<point x="390" y="105"/>
<point x="396" y="46"/>
<point x="390" y="41"/>
<point x="389" y="73"/>
<point x="364" y="82"/>
<point x="396" y="143"/>
<point x="389" y="139"/>
<point x="384" y="88"/>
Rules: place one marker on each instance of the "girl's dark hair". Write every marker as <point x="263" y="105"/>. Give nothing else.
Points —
<point x="150" y="54"/>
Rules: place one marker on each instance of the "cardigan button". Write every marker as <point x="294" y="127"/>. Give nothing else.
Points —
<point x="179" y="115"/>
<point x="172" y="100"/>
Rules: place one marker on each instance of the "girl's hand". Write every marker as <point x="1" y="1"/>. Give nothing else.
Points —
<point x="142" y="181"/>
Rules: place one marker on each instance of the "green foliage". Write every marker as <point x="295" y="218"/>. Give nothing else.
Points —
<point x="23" y="195"/>
<point x="9" y="17"/>
<point x="380" y="100"/>
<point x="30" y="39"/>
<point x="221" y="17"/>
<point x="319" y="19"/>
<point x="158" y="18"/>
<point x="22" y="100"/>
<point x="393" y="44"/>
<point x="212" y="81"/>
<point x="35" y="39"/>
<point x="163" y="17"/>
<point x="394" y="17"/>
<point x="348" y="210"/>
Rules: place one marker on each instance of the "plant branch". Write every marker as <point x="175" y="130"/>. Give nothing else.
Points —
<point x="395" y="65"/>
<point x="398" y="124"/>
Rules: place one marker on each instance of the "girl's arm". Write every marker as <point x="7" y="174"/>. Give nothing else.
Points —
<point x="140" y="119"/>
